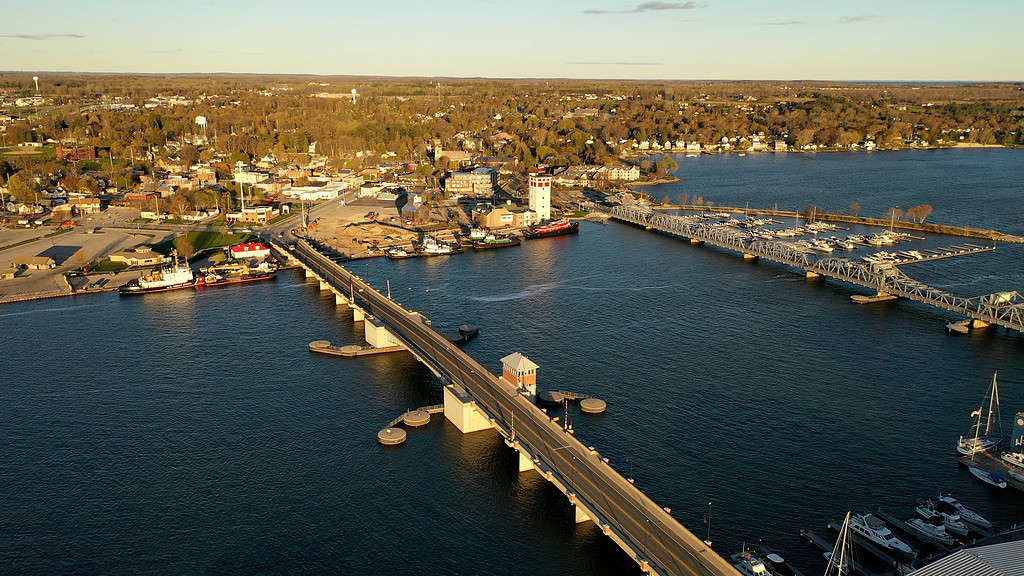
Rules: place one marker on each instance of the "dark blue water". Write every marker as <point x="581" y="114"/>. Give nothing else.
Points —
<point x="193" y="432"/>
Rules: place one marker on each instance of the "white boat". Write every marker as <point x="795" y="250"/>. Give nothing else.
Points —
<point x="477" y="234"/>
<point x="844" y="244"/>
<point x="750" y="565"/>
<point x="947" y="502"/>
<point x="952" y="522"/>
<point x="990" y="478"/>
<point x="172" y="276"/>
<point x="821" y="246"/>
<point x="987" y="440"/>
<point x="1015" y="458"/>
<point x="1016" y="473"/>
<point x="932" y="531"/>
<point x="873" y="529"/>
<point x="432" y="247"/>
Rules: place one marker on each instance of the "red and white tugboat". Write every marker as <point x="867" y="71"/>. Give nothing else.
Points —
<point x="559" y="227"/>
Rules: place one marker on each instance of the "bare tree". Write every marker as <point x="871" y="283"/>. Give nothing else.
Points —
<point x="854" y="208"/>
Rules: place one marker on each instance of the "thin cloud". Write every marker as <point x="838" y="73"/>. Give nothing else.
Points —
<point x="40" y="36"/>
<point x="171" y="51"/>
<point x="615" y="63"/>
<point x="648" y="7"/>
<point x="785" y="23"/>
<point x="858" y="18"/>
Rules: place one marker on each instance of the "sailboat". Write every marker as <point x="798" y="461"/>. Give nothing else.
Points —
<point x="983" y="442"/>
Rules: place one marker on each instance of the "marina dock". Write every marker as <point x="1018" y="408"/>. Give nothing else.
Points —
<point x="349" y="350"/>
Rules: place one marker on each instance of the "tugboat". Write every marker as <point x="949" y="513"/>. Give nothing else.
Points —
<point x="492" y="241"/>
<point x="175" y="276"/>
<point x="556" y="228"/>
<point x="399" y="254"/>
<point x="236" y="273"/>
<point x="432" y="247"/>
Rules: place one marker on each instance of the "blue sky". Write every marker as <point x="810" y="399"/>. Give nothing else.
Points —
<point x="723" y="39"/>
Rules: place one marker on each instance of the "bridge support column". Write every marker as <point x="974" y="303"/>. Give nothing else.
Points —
<point x="525" y="462"/>
<point x="324" y="286"/>
<point x="461" y="410"/>
<point x="696" y="242"/>
<point x="357" y="313"/>
<point x="339" y="299"/>
<point x="377" y="335"/>
<point x="309" y="273"/>
<point x="979" y="324"/>
<point x="580" y="514"/>
<point x="813" y="275"/>
<point x="749" y="257"/>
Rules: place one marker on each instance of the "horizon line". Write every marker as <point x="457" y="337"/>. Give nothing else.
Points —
<point x="511" y="78"/>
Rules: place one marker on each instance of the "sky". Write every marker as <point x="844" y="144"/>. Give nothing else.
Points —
<point x="895" y="40"/>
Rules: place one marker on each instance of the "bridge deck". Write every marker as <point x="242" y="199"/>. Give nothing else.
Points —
<point x="1004" y="309"/>
<point x="645" y="530"/>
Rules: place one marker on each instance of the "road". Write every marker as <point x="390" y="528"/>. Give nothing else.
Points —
<point x="650" y="530"/>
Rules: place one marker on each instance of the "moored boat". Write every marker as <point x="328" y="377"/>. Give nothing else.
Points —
<point x="236" y="273"/>
<point x="399" y="254"/>
<point x="555" y="228"/>
<point x="988" y="440"/>
<point x="952" y="522"/>
<point x="947" y="502"/>
<point x="492" y="241"/>
<point x="174" y="276"/>
<point x="874" y="529"/>
<point x="990" y="478"/>
<point x="932" y="531"/>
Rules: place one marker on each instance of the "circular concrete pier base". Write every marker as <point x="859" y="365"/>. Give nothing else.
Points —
<point x="416" y="418"/>
<point x="593" y="405"/>
<point x="391" y="436"/>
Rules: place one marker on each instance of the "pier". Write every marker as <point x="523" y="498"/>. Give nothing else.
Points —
<point x="475" y="399"/>
<point x="1004" y="309"/>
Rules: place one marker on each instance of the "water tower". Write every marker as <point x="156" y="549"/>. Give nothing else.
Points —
<point x="36" y="80"/>
<point x="354" y="95"/>
<point x="201" y="122"/>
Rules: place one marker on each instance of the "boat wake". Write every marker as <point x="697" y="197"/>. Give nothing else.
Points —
<point x="47" y="310"/>
<point x="537" y="289"/>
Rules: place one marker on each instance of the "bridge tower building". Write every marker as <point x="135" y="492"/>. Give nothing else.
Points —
<point x="521" y="372"/>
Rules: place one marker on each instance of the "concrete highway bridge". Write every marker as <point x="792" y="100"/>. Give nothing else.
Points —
<point x="1004" y="309"/>
<point x="475" y="399"/>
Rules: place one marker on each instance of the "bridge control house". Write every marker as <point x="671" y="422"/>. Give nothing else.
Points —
<point x="521" y="372"/>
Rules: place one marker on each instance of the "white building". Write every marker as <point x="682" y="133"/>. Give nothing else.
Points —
<point x="540" y="195"/>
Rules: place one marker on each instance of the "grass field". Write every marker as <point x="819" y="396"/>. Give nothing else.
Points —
<point x="201" y="240"/>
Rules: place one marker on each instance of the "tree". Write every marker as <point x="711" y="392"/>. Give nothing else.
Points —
<point x="22" y="186"/>
<point x="894" y="214"/>
<point x="811" y="211"/>
<point x="184" y="246"/>
<point x="919" y="212"/>
<point x="854" y="208"/>
<point x="666" y="165"/>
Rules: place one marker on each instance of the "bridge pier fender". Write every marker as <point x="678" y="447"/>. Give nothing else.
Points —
<point x="979" y="324"/>
<point x="339" y="299"/>
<point x="461" y="410"/>
<point x="749" y="257"/>
<point x="696" y="242"/>
<point x="324" y="286"/>
<point x="813" y="275"/>
<point x="308" y="272"/>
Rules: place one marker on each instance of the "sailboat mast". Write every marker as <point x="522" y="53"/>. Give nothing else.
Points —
<point x="991" y="399"/>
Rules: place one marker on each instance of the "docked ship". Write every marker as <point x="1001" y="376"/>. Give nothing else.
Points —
<point x="872" y="528"/>
<point x="174" y="276"/>
<point x="397" y="253"/>
<point x="236" y="273"/>
<point x="556" y="228"/>
<point x="491" y="241"/>
<point x="952" y="505"/>
<point x="431" y="247"/>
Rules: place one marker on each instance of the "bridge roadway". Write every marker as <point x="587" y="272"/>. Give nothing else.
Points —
<point x="1004" y="309"/>
<point x="649" y="532"/>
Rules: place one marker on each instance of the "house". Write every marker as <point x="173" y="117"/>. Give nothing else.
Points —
<point x="61" y="212"/>
<point x="249" y="250"/>
<point x="35" y="262"/>
<point x="780" y="146"/>
<point x="370" y="189"/>
<point x="86" y="205"/>
<point x="624" y="173"/>
<point x="477" y="182"/>
<point x="259" y="214"/>
<point x="141" y="255"/>
<point x="757" y="145"/>
<point x="501" y="217"/>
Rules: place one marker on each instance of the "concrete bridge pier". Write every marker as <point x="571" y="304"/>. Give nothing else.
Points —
<point x="324" y="286"/>
<point x="580" y="514"/>
<point x="813" y="275"/>
<point x="309" y="273"/>
<point x="461" y="410"/>
<point x="357" y="313"/>
<point x="696" y="242"/>
<point x="339" y="299"/>
<point x="749" y="257"/>
<point x="979" y="324"/>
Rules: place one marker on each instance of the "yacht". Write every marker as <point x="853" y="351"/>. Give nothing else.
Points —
<point x="932" y="531"/>
<point x="397" y="253"/>
<point x="948" y="503"/>
<point x="951" y="521"/>
<point x="821" y="246"/>
<point x="873" y="529"/>
<point x="1014" y="459"/>
<point x="750" y="565"/>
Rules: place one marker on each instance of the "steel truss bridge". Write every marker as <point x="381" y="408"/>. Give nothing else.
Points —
<point x="1004" y="309"/>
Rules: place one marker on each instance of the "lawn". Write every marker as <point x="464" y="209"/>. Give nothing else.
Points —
<point x="105" y="265"/>
<point x="201" y="240"/>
